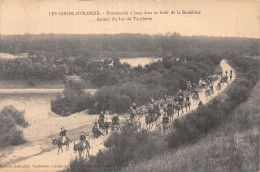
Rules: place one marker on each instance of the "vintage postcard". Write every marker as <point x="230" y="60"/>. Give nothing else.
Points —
<point x="129" y="85"/>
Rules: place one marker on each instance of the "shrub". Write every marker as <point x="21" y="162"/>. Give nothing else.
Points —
<point x="9" y="119"/>
<point x="10" y="113"/>
<point x="31" y="83"/>
<point x="123" y="148"/>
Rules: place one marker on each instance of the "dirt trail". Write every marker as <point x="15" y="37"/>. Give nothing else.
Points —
<point x="40" y="155"/>
<point x="39" y="90"/>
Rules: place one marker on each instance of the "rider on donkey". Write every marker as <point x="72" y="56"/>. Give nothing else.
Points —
<point x="165" y="121"/>
<point x="134" y="106"/>
<point x="211" y="88"/>
<point x="181" y="93"/>
<point x="115" y="120"/>
<point x="151" y="100"/>
<point x="63" y="133"/>
<point x="156" y="108"/>
<point x="82" y="137"/>
<point x="165" y="98"/>
<point x="102" y="116"/>
<point x="132" y="114"/>
<point x="200" y="104"/>
<point x="187" y="102"/>
<point x="150" y="109"/>
<point x="193" y="85"/>
<point x="83" y="140"/>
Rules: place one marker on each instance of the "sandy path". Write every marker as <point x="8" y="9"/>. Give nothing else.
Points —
<point x="39" y="90"/>
<point x="40" y="156"/>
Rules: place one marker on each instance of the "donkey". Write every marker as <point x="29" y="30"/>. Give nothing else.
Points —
<point x="80" y="147"/>
<point x="59" y="143"/>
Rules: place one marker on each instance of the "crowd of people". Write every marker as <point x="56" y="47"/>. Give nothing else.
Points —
<point x="158" y="112"/>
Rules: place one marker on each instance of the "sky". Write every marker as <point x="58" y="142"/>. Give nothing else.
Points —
<point x="229" y="18"/>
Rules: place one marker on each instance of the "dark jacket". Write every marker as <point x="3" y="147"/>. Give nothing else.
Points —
<point x="82" y="137"/>
<point x="63" y="133"/>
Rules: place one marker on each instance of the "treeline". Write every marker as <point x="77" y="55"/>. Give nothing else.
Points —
<point x="10" y="118"/>
<point x="28" y="69"/>
<point x="124" y="149"/>
<point x="54" y="56"/>
<point x="95" y="45"/>
<point x="138" y="84"/>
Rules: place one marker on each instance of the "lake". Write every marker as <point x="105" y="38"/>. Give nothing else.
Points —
<point x="13" y="56"/>
<point x="139" y="60"/>
<point x="133" y="61"/>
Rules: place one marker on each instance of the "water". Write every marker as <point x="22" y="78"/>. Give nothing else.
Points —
<point x="135" y="61"/>
<point x="13" y="56"/>
<point x="139" y="60"/>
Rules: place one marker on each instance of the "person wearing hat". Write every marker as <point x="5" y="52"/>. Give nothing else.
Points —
<point x="82" y="136"/>
<point x="134" y="106"/>
<point x="115" y="120"/>
<point x="151" y="100"/>
<point x="165" y="121"/>
<point x="102" y="116"/>
<point x="200" y="103"/>
<point x="165" y="98"/>
<point x="132" y="114"/>
<point x="63" y="133"/>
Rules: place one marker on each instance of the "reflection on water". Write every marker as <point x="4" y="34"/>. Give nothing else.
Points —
<point x="139" y="60"/>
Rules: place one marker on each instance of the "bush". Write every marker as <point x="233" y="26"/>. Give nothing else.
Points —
<point x="72" y="100"/>
<point x="31" y="83"/>
<point x="12" y="114"/>
<point x="9" y="119"/>
<point x="119" y="98"/>
<point x="123" y="148"/>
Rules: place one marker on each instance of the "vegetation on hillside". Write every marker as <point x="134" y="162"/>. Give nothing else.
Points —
<point x="137" y="84"/>
<point x="233" y="146"/>
<point x="10" y="118"/>
<point x="185" y="132"/>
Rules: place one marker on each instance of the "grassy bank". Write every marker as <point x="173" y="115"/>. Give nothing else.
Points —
<point x="10" y="120"/>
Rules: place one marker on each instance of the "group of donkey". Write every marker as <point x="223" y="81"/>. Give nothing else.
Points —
<point x="79" y="147"/>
